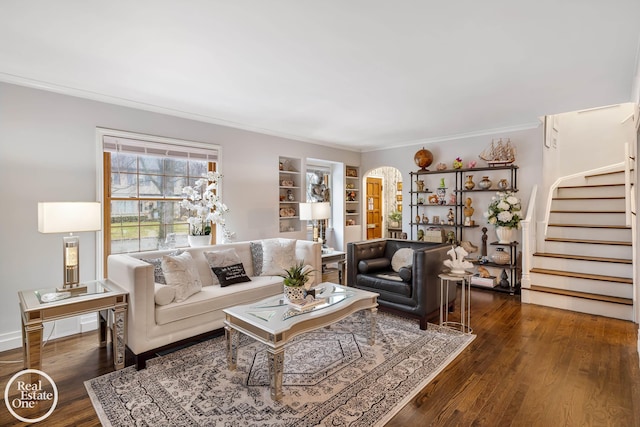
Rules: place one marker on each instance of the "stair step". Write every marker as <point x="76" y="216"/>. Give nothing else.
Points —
<point x="611" y="211"/>
<point x="585" y="295"/>
<point x="581" y="305"/>
<point x="583" y="275"/>
<point x="583" y="258"/>
<point x="587" y="241"/>
<point x="618" y="227"/>
<point x="620" y="233"/>
<point x="588" y="204"/>
<point x="585" y="217"/>
<point x="582" y="249"/>
<point x="591" y="191"/>
<point x="591" y="186"/>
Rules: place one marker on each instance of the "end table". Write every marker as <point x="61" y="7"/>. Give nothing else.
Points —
<point x="45" y="305"/>
<point x="465" y="304"/>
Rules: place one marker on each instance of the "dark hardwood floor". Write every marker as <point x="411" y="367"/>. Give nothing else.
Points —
<point x="528" y="366"/>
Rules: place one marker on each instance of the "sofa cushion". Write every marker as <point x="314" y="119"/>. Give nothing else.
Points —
<point x="181" y="273"/>
<point x="231" y="274"/>
<point x="374" y="281"/>
<point x="402" y="258"/>
<point x="277" y="256"/>
<point x="216" y="298"/>
<point x="373" y="265"/>
<point x="221" y="258"/>
<point x="164" y="294"/>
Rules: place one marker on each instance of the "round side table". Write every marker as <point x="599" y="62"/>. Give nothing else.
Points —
<point x="464" y="324"/>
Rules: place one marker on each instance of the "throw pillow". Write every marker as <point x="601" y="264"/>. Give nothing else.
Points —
<point x="256" y="257"/>
<point x="181" y="273"/>
<point x="402" y="258"/>
<point x="231" y="274"/>
<point x="277" y="256"/>
<point x="221" y="258"/>
<point x="164" y="294"/>
<point x="373" y="264"/>
<point x="158" y="275"/>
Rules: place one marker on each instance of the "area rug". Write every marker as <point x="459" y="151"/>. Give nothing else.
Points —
<point x="332" y="377"/>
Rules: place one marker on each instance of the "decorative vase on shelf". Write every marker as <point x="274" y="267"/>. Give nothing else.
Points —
<point x="469" y="184"/>
<point x="503" y="184"/>
<point x="500" y="257"/>
<point x="485" y="184"/>
<point x="195" y="241"/>
<point x="506" y="235"/>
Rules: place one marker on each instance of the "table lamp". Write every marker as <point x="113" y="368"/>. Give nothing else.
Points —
<point x="314" y="212"/>
<point x="69" y="217"/>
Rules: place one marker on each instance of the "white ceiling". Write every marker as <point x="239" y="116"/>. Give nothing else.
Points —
<point x="364" y="74"/>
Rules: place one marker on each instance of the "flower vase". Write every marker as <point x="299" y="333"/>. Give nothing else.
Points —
<point x="195" y="241"/>
<point x="294" y="292"/>
<point x="505" y="234"/>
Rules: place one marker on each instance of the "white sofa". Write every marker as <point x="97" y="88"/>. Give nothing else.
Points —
<point x="152" y="327"/>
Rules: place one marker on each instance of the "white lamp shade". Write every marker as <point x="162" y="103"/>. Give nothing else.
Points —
<point x="322" y="210"/>
<point x="312" y="211"/>
<point x="69" y="217"/>
<point x="305" y="211"/>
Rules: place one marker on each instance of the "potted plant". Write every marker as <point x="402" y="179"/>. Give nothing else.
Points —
<point x="395" y="218"/>
<point x="505" y="212"/>
<point x="297" y="281"/>
<point x="205" y="207"/>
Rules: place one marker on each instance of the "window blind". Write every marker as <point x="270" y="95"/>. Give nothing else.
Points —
<point x="115" y="144"/>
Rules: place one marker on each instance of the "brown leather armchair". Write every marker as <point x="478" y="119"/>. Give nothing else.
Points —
<point x="414" y="291"/>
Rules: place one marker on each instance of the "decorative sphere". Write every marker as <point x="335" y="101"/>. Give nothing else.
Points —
<point x="423" y="158"/>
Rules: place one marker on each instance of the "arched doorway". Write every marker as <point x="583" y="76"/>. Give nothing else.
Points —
<point x="383" y="196"/>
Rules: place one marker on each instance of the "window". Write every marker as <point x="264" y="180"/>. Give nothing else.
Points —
<point x="318" y="180"/>
<point x="143" y="181"/>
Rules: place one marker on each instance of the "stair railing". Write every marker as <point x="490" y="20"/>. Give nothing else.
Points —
<point x="529" y="239"/>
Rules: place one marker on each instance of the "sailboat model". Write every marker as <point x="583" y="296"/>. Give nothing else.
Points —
<point x="499" y="153"/>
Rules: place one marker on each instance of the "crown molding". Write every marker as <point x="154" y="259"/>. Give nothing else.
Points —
<point x="453" y="137"/>
<point x="130" y="103"/>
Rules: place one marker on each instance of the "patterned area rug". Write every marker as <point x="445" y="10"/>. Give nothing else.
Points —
<point x="332" y="377"/>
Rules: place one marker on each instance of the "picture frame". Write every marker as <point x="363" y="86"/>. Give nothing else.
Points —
<point x="352" y="172"/>
<point x="436" y="219"/>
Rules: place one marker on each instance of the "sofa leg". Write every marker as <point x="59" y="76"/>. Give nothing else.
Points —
<point x="423" y="323"/>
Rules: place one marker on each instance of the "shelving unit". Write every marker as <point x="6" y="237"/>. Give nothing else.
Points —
<point x="422" y="206"/>
<point x="353" y="196"/>
<point x="290" y="180"/>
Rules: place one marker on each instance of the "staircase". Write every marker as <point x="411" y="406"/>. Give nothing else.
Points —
<point x="586" y="263"/>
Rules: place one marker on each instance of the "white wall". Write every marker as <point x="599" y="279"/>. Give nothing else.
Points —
<point x="528" y="144"/>
<point x="47" y="153"/>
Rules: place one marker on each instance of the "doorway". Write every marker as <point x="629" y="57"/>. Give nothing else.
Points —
<point x="383" y="197"/>
<point x="374" y="208"/>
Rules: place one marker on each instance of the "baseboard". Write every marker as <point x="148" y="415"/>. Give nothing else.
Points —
<point x="63" y="328"/>
<point x="10" y="340"/>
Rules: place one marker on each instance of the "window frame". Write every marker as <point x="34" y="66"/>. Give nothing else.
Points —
<point x="103" y="189"/>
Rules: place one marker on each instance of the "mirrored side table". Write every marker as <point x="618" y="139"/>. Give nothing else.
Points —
<point x="45" y="305"/>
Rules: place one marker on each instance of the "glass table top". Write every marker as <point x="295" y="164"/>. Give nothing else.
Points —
<point x="49" y="295"/>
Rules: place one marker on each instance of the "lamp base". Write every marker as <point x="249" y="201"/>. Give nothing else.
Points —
<point x="81" y="289"/>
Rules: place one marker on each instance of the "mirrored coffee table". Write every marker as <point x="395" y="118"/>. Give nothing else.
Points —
<point x="274" y="323"/>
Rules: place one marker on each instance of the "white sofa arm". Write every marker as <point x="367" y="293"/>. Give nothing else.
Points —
<point x="136" y="277"/>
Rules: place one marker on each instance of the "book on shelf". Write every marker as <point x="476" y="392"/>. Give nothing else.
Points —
<point x="490" y="282"/>
<point x="306" y="304"/>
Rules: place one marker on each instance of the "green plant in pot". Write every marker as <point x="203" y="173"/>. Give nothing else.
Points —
<point x="297" y="281"/>
<point x="395" y="218"/>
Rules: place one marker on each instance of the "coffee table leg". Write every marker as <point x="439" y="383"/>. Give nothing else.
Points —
<point x="372" y="331"/>
<point x="276" y="366"/>
<point x="232" y="347"/>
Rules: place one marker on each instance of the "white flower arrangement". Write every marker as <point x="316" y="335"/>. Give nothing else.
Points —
<point x="204" y="205"/>
<point x="504" y="210"/>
